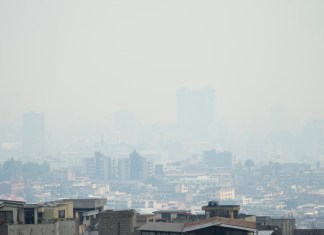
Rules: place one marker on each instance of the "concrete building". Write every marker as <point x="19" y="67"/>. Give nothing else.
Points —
<point x="99" y="167"/>
<point x="124" y="169"/>
<point x="48" y="212"/>
<point x="309" y="232"/>
<point x="142" y="219"/>
<point x="17" y="212"/>
<point x="211" y="226"/>
<point x="217" y="159"/>
<point x="280" y="226"/>
<point x="172" y="215"/>
<point x="50" y="218"/>
<point x="140" y="168"/>
<point x="225" y="194"/>
<point x="120" y="222"/>
<point x="87" y="210"/>
<point x="214" y="209"/>
<point x="61" y="227"/>
<point x="147" y="169"/>
<point x="11" y="212"/>
<point x="62" y="175"/>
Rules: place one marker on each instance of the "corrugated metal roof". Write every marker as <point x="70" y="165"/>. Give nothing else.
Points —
<point x="173" y="211"/>
<point x="223" y="221"/>
<point x="200" y="224"/>
<point x="265" y="232"/>
<point x="162" y="227"/>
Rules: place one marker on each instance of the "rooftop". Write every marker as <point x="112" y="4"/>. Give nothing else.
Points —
<point x="200" y="224"/>
<point x="11" y="203"/>
<point x="223" y="222"/>
<point x="162" y="227"/>
<point x="173" y="211"/>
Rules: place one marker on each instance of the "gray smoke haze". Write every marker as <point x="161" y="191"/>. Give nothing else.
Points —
<point x="81" y="61"/>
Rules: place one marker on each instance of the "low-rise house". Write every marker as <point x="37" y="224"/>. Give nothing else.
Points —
<point x="215" y="209"/>
<point x="172" y="215"/>
<point x="280" y="226"/>
<point x="11" y="212"/>
<point x="211" y="226"/>
<point x="48" y="212"/>
<point x="50" y="218"/>
<point x="87" y="209"/>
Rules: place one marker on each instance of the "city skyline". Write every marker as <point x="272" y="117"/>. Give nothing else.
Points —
<point x="256" y="56"/>
<point x="161" y="117"/>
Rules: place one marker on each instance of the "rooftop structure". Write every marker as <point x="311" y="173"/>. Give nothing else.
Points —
<point x="215" y="209"/>
<point x="172" y="215"/>
<point x="117" y="222"/>
<point x="215" y="225"/>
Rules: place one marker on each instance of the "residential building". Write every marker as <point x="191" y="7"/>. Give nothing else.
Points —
<point x="212" y="158"/>
<point x="140" y="168"/>
<point x="282" y="226"/>
<point x="50" y="218"/>
<point x="99" y="167"/>
<point x="124" y="169"/>
<point x="225" y="194"/>
<point x="117" y="222"/>
<point x="211" y="226"/>
<point x="48" y="212"/>
<point x="215" y="209"/>
<point x="172" y="215"/>
<point x="11" y="212"/>
<point x="87" y="209"/>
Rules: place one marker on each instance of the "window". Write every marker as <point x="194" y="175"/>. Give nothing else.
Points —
<point x="166" y="216"/>
<point x="6" y="217"/>
<point x="39" y="217"/>
<point x="148" y="233"/>
<point x="61" y="214"/>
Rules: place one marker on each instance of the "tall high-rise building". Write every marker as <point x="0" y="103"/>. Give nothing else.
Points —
<point x="195" y="112"/>
<point x="140" y="168"/>
<point x="314" y="139"/>
<point x="135" y="165"/>
<point x="99" y="167"/>
<point x="124" y="169"/>
<point x="33" y="134"/>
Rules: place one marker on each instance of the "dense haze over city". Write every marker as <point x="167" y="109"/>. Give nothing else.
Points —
<point x="201" y="109"/>
<point x="80" y="62"/>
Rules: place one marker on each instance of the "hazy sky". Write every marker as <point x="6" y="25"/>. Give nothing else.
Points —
<point x="92" y="58"/>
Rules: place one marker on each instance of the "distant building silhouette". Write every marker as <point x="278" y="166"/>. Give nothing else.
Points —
<point x="124" y="169"/>
<point x="217" y="159"/>
<point x="195" y="113"/>
<point x="33" y="134"/>
<point x="140" y="168"/>
<point x="314" y="138"/>
<point x="99" y="167"/>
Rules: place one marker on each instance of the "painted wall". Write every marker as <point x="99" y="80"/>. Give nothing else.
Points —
<point x="50" y="213"/>
<point x="17" y="213"/>
<point x="68" y="227"/>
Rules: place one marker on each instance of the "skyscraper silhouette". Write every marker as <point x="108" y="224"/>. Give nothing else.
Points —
<point x="195" y="113"/>
<point x="33" y="134"/>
